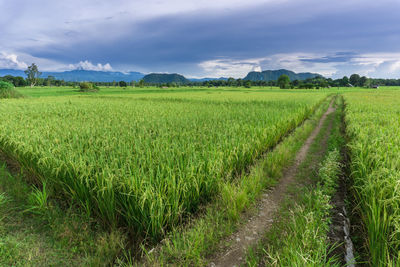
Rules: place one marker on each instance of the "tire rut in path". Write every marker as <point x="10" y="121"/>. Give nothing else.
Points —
<point x="250" y="233"/>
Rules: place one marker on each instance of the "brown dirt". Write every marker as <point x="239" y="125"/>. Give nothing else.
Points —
<point x="249" y="234"/>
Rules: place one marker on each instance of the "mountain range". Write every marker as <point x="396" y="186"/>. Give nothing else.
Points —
<point x="80" y="75"/>
<point x="273" y="75"/>
<point x="110" y="76"/>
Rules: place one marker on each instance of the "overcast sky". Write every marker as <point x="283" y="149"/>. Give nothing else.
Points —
<point x="200" y="38"/>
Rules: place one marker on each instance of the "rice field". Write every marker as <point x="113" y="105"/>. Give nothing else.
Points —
<point x="146" y="161"/>
<point x="373" y="125"/>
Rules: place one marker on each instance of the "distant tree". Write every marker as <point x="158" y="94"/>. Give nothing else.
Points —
<point x="296" y="83"/>
<point x="284" y="81"/>
<point x="231" y="82"/>
<point x="247" y="84"/>
<point x="344" y="81"/>
<point x="355" y="80"/>
<point x="33" y="74"/>
<point x="324" y="84"/>
<point x="19" y="81"/>
<point x="362" y="81"/>
<point x="368" y="83"/>
<point x="141" y="83"/>
<point x="50" y="80"/>
<point x="88" y="87"/>
<point x="122" y="84"/>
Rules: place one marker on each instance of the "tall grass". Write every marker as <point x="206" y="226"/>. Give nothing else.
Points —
<point x="191" y="244"/>
<point x="145" y="163"/>
<point x="373" y="127"/>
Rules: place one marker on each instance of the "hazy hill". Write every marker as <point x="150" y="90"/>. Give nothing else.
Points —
<point x="155" y="78"/>
<point x="165" y="78"/>
<point x="207" y="79"/>
<point x="273" y="75"/>
<point x="4" y="72"/>
<point x="82" y="75"/>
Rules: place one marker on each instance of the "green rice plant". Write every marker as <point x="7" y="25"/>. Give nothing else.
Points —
<point x="190" y="244"/>
<point x="147" y="162"/>
<point x="373" y="125"/>
<point x="3" y="199"/>
<point x="38" y="201"/>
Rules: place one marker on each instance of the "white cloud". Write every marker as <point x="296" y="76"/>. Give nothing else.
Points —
<point x="10" y="61"/>
<point x="228" y="67"/>
<point x="257" y="68"/>
<point x="377" y="65"/>
<point x="87" y="65"/>
<point x="239" y="68"/>
<point x="385" y="65"/>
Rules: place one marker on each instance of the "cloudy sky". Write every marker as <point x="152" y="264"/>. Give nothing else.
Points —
<point x="201" y="38"/>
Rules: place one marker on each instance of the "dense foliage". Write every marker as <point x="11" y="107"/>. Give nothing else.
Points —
<point x="88" y="87"/>
<point x="7" y="90"/>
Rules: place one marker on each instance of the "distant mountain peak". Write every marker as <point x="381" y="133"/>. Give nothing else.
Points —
<point x="158" y="78"/>
<point x="273" y="75"/>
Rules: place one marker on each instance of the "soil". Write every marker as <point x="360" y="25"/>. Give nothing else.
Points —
<point x="249" y="234"/>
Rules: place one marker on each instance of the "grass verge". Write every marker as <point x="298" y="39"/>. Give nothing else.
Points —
<point x="193" y="243"/>
<point x="34" y="231"/>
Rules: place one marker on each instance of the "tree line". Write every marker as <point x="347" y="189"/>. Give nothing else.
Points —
<point x="33" y="79"/>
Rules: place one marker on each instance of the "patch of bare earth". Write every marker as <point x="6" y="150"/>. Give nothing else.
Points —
<point x="250" y="233"/>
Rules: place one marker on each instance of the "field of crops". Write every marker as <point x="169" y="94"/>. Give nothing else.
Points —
<point x="373" y="124"/>
<point x="146" y="161"/>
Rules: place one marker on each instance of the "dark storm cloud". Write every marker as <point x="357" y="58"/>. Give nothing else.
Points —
<point x="175" y="41"/>
<point x="247" y="33"/>
<point x="337" y="57"/>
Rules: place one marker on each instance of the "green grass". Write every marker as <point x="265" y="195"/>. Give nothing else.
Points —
<point x="53" y="237"/>
<point x="300" y="235"/>
<point x="146" y="162"/>
<point x="183" y="164"/>
<point x="45" y="91"/>
<point x="373" y="128"/>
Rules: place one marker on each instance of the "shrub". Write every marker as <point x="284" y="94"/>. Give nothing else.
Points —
<point x="88" y="87"/>
<point x="122" y="84"/>
<point x="7" y="90"/>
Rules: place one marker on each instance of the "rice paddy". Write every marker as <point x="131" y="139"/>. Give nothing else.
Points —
<point x="145" y="162"/>
<point x="184" y="166"/>
<point x="373" y="123"/>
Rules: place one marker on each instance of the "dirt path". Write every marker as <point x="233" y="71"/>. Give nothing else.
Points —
<point x="250" y="233"/>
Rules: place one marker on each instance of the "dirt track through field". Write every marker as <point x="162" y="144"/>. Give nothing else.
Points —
<point x="250" y="233"/>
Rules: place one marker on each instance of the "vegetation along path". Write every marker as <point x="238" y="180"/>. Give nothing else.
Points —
<point x="253" y="230"/>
